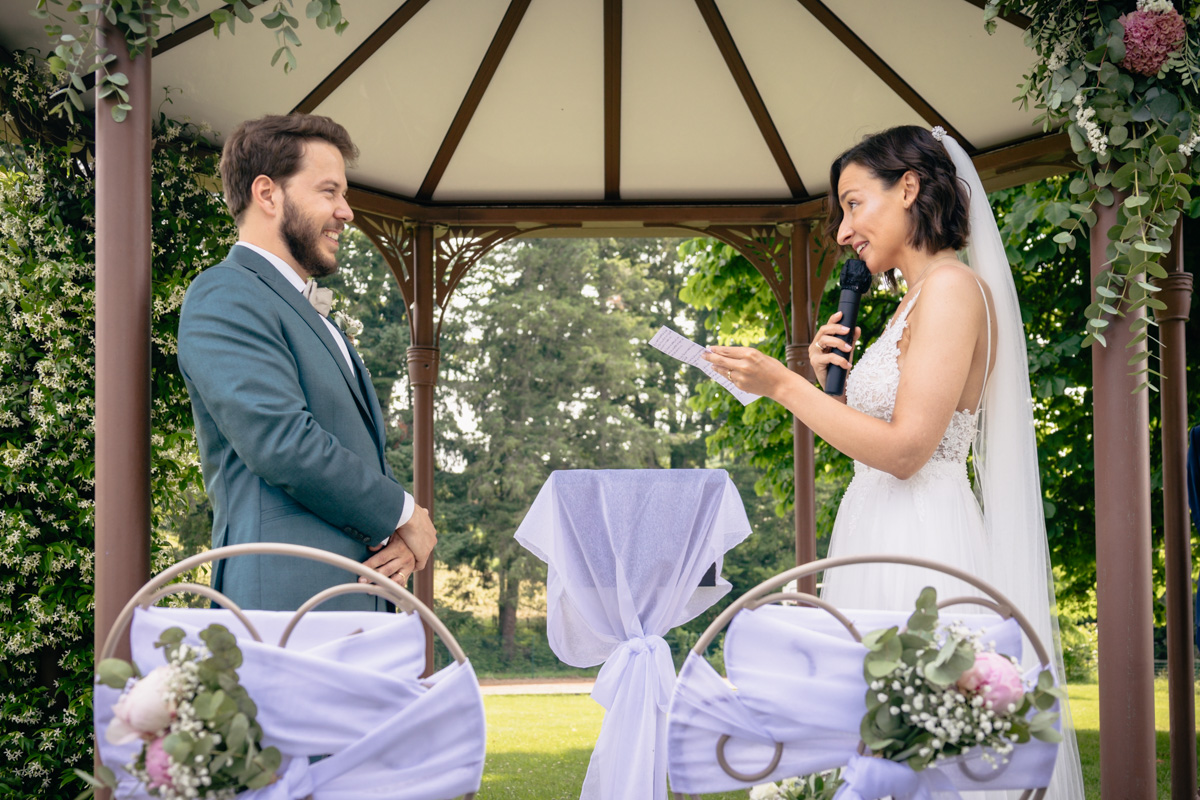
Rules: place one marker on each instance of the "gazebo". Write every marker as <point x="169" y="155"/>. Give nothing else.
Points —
<point x="483" y="121"/>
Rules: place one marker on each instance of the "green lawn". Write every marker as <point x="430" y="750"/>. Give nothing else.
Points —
<point x="539" y="745"/>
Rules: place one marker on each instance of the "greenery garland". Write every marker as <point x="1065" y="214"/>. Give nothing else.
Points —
<point x="78" y="51"/>
<point x="1123" y="80"/>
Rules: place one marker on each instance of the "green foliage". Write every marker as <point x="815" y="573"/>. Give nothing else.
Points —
<point x="1133" y="134"/>
<point x="47" y="407"/>
<point x="141" y="22"/>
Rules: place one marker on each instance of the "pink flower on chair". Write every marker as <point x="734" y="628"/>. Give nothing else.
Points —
<point x="143" y="711"/>
<point x="1151" y="36"/>
<point x="158" y="765"/>
<point x="996" y="680"/>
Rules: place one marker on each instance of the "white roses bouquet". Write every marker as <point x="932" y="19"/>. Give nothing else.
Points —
<point x="196" y="721"/>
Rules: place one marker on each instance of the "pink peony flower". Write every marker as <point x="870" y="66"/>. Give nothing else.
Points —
<point x="158" y="765"/>
<point x="995" y="679"/>
<point x="142" y="711"/>
<point x="1150" y="39"/>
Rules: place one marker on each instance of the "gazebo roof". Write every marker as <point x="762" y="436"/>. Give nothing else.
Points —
<point x="607" y="104"/>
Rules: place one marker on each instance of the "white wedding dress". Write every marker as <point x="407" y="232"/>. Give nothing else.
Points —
<point x="934" y="514"/>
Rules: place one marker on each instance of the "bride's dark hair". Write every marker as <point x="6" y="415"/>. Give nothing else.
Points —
<point x="939" y="218"/>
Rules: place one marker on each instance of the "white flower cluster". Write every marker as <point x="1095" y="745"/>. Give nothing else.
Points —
<point x="1160" y="6"/>
<point x="1189" y="147"/>
<point x="1058" y="56"/>
<point x="1086" y="118"/>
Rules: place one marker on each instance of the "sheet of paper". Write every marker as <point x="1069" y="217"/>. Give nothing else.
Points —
<point x="677" y="346"/>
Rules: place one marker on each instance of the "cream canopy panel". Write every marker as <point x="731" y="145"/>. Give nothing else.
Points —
<point x="538" y="133"/>
<point x="951" y="61"/>
<point x="227" y="80"/>
<point x="400" y="103"/>
<point x="796" y="57"/>
<point x="685" y="130"/>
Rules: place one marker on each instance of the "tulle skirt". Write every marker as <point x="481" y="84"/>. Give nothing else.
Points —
<point x="932" y="515"/>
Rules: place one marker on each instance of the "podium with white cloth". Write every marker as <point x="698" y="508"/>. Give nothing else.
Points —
<point x="794" y="700"/>
<point x="625" y="552"/>
<point x="338" y="692"/>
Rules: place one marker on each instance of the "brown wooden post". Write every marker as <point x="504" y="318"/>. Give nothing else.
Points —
<point x="805" y="509"/>
<point x="1172" y="322"/>
<point x="122" y="343"/>
<point x="422" y="375"/>
<point x="1123" y="586"/>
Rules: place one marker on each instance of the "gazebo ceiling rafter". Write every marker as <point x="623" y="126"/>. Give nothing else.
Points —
<point x="854" y="43"/>
<point x="378" y="38"/>
<point x="613" y="20"/>
<point x="479" y="85"/>
<point x="754" y="102"/>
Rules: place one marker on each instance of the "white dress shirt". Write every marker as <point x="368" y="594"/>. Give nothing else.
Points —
<point x="295" y="280"/>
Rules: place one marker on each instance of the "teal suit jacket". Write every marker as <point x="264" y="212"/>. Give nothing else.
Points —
<point x="291" y="440"/>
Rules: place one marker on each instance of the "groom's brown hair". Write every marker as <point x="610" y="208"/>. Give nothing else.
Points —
<point x="273" y="146"/>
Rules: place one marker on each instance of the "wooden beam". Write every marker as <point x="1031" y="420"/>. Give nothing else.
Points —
<point x="754" y="102"/>
<point x="881" y="68"/>
<point x="612" y="99"/>
<point x="378" y="38"/>
<point x="479" y="85"/>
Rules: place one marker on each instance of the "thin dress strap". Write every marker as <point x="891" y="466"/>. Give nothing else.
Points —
<point x="987" y="319"/>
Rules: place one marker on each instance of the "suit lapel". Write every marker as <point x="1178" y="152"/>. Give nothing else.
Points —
<point x="368" y="390"/>
<point x="270" y="276"/>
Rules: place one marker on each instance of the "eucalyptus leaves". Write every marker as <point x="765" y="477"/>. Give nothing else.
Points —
<point x="74" y="24"/>
<point x="197" y="721"/>
<point x="1125" y="83"/>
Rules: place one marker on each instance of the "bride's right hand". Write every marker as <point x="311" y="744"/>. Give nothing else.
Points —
<point x="827" y="349"/>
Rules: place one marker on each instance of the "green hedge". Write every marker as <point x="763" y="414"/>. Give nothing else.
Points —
<point x="47" y="406"/>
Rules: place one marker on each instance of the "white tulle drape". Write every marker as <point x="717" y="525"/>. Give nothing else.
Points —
<point x="1006" y="462"/>
<point x="625" y="553"/>
<point x="346" y="687"/>
<point x="799" y="683"/>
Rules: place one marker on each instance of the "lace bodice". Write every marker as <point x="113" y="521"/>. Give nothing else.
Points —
<point x="872" y="384"/>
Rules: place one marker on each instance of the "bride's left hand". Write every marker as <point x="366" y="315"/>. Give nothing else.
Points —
<point x="748" y="369"/>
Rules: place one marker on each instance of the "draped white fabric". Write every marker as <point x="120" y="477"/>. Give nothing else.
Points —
<point x="346" y="687"/>
<point x="799" y="679"/>
<point x="625" y="552"/>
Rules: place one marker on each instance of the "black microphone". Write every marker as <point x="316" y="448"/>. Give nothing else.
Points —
<point x="856" y="279"/>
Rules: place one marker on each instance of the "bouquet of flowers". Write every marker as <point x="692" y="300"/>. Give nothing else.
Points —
<point x="196" y="722"/>
<point x="934" y="692"/>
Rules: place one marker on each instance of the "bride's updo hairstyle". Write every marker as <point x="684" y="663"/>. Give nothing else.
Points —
<point x="939" y="217"/>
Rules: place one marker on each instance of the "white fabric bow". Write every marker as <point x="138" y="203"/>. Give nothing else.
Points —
<point x="347" y="688"/>
<point x="801" y="693"/>
<point x="874" y="778"/>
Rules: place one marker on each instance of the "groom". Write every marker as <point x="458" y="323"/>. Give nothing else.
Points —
<point x="290" y="431"/>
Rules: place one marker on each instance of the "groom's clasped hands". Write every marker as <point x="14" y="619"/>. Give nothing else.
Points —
<point x="406" y="550"/>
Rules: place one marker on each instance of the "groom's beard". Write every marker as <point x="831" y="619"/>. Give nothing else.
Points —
<point x="303" y="235"/>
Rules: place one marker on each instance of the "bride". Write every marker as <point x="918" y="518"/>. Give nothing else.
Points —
<point x="949" y="371"/>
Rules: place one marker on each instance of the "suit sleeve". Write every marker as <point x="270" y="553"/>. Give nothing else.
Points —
<point x="232" y="348"/>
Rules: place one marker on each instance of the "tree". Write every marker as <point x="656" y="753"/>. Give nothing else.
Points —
<point x="543" y="366"/>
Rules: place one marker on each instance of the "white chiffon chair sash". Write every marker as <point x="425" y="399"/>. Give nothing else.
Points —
<point x="625" y="552"/>
<point x="334" y="691"/>
<point x="799" y="679"/>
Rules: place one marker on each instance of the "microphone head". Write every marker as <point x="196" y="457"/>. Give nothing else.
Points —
<point x="855" y="276"/>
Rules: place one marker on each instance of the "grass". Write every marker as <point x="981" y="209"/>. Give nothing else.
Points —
<point x="539" y="745"/>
